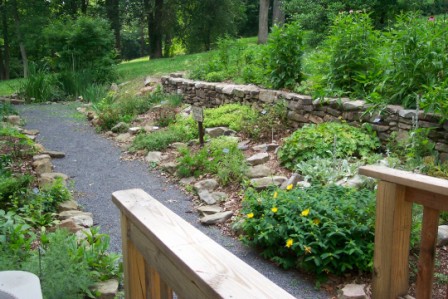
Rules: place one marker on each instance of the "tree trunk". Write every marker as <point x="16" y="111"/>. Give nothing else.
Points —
<point x="155" y="30"/>
<point x="113" y="14"/>
<point x="263" y="19"/>
<point x="20" y="39"/>
<point x="84" y="5"/>
<point x="168" y="43"/>
<point x="6" y="53"/>
<point x="278" y="15"/>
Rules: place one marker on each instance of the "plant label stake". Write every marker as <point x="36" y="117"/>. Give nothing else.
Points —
<point x="198" y="115"/>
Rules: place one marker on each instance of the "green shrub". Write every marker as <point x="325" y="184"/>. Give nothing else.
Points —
<point x="93" y="93"/>
<point x="319" y="229"/>
<point x="40" y="86"/>
<point x="233" y="116"/>
<point x="326" y="140"/>
<point x="285" y="49"/>
<point x="351" y="47"/>
<point x="326" y="171"/>
<point x="12" y="187"/>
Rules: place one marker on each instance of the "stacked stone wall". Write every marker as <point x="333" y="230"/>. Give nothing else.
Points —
<point x="302" y="109"/>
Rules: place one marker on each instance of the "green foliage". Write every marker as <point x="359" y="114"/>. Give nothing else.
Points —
<point x="285" y="48"/>
<point x="326" y="140"/>
<point x="12" y="187"/>
<point x="220" y="156"/>
<point x="6" y="109"/>
<point x="233" y="116"/>
<point x="93" y="93"/>
<point x="319" y="229"/>
<point x="40" y="86"/>
<point x="351" y="48"/>
<point x="326" y="171"/>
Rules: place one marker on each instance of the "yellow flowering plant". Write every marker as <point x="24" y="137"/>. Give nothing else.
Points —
<point x="329" y="230"/>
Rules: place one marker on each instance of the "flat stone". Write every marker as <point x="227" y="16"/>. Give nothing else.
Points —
<point x="84" y="220"/>
<point x="258" y="159"/>
<point x="42" y="166"/>
<point x="297" y="117"/>
<point x="442" y="147"/>
<point x="30" y="132"/>
<point x="68" y="206"/>
<point x="169" y="167"/>
<point x="178" y="145"/>
<point x="407" y="113"/>
<point x="154" y="157"/>
<point x="243" y="145"/>
<point x="54" y="154"/>
<point x="353" y="291"/>
<point x="220" y="196"/>
<point x="258" y="171"/>
<point x="70" y="225"/>
<point x="121" y="127"/>
<point x="263" y="183"/>
<point x="50" y="177"/>
<point x="353" y="105"/>
<point x="108" y="289"/>
<point x="265" y="147"/>
<point x="41" y="157"/>
<point x="134" y="130"/>
<point x="442" y="235"/>
<point x="39" y="148"/>
<point x="209" y="209"/>
<point x="206" y="197"/>
<point x="216" y="218"/>
<point x="219" y="131"/>
<point x="71" y="213"/>
<point x="267" y="96"/>
<point x="293" y="180"/>
<point x="208" y="184"/>
<point x="125" y="137"/>
<point x="187" y="181"/>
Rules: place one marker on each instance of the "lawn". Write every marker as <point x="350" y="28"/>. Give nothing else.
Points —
<point x="9" y="87"/>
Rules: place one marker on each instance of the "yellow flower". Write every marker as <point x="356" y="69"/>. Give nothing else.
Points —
<point x="275" y="194"/>
<point x="289" y="243"/>
<point x="307" y="249"/>
<point x="316" y="221"/>
<point x="289" y="187"/>
<point x="274" y="209"/>
<point x="305" y="212"/>
<point x="250" y="215"/>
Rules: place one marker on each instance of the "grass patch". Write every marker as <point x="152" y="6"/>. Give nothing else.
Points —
<point x="9" y="87"/>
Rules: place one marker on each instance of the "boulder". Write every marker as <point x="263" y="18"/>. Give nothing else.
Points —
<point x="216" y="218"/>
<point x="263" y="183"/>
<point x="50" y="177"/>
<point x="67" y="206"/>
<point x="108" y="289"/>
<point x="169" y="167"/>
<point x="84" y="219"/>
<point x="219" y="131"/>
<point x="258" y="159"/>
<point x="353" y="291"/>
<point x="258" y="171"/>
<point x="208" y="184"/>
<point x="154" y="157"/>
<point x="70" y="225"/>
<point x="42" y="166"/>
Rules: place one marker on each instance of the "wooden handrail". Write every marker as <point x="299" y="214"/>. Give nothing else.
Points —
<point x="162" y="254"/>
<point x="397" y="191"/>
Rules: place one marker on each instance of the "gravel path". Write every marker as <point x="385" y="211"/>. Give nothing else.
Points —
<point x="93" y="164"/>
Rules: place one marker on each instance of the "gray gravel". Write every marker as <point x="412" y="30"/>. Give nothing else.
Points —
<point x="94" y="166"/>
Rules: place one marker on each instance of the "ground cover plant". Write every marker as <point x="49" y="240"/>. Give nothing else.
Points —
<point x="319" y="229"/>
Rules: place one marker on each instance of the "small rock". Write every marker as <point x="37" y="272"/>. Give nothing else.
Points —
<point x="71" y="213"/>
<point x="110" y="134"/>
<point x="125" y="137"/>
<point x="70" y="225"/>
<point x="187" y="181"/>
<point x="82" y="110"/>
<point x="353" y="105"/>
<point x="54" y="154"/>
<point x="219" y="131"/>
<point x="50" y="177"/>
<point x="178" y="145"/>
<point x="263" y="183"/>
<point x="108" y="289"/>
<point x="32" y="137"/>
<point x="84" y="220"/>
<point x="210" y="209"/>
<point x="258" y="159"/>
<point x="442" y="235"/>
<point x="407" y="113"/>
<point x="42" y="166"/>
<point x="41" y="157"/>
<point x="353" y="291"/>
<point x="216" y="218"/>
<point x="354" y="182"/>
<point x="68" y="206"/>
<point x="90" y="115"/>
<point x="207" y="197"/>
<point x="293" y="180"/>
<point x="243" y="145"/>
<point x="265" y="147"/>
<point x="258" y="171"/>
<point x="134" y="130"/>
<point x="220" y="196"/>
<point x="153" y="157"/>
<point x="30" y="132"/>
<point x="169" y="167"/>
<point x="39" y="147"/>
<point x="121" y="127"/>
<point x="13" y="119"/>
<point x="114" y="87"/>
<point x="303" y="184"/>
<point x="208" y="184"/>
<point x="146" y="89"/>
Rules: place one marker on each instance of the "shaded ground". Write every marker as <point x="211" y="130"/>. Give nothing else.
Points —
<point x="94" y="166"/>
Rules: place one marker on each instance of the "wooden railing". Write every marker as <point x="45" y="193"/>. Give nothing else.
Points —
<point x="397" y="190"/>
<point x="163" y="254"/>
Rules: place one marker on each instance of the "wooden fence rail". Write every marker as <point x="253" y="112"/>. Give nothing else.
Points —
<point x="397" y="190"/>
<point x="163" y="254"/>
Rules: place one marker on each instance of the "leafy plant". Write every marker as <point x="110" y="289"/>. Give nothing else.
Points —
<point x="40" y="86"/>
<point x="319" y="229"/>
<point x="230" y="115"/>
<point x="326" y="140"/>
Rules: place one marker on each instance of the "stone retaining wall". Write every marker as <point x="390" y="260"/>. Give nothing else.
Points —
<point x="302" y="109"/>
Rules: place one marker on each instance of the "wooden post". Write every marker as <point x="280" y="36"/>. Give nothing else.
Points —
<point x="198" y="115"/>
<point x="201" y="133"/>
<point x="392" y="233"/>
<point x="158" y="289"/>
<point x="133" y="266"/>
<point x="427" y="253"/>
